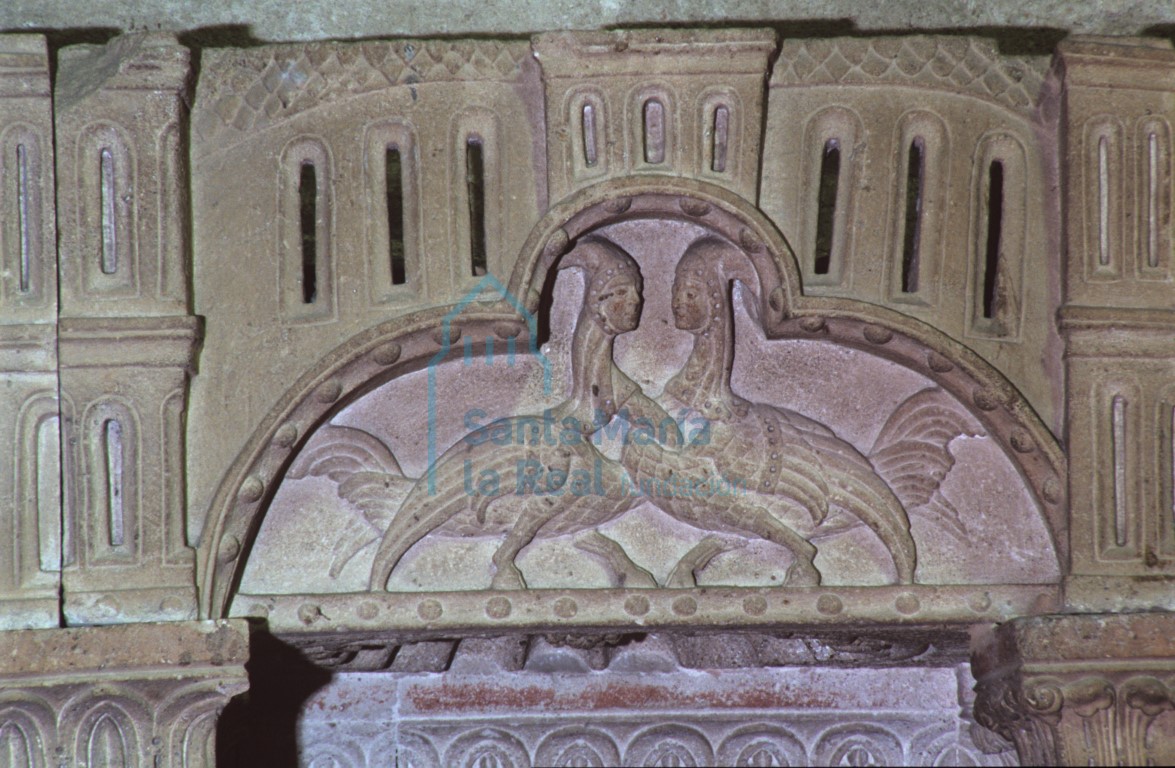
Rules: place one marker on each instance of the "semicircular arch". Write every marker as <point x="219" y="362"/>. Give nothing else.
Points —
<point x="407" y="343"/>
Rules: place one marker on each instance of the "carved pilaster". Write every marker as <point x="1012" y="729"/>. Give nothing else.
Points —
<point x="1117" y="320"/>
<point x="122" y="137"/>
<point x="1080" y="690"/>
<point x="30" y="527"/>
<point x="638" y="102"/>
<point x="126" y="558"/>
<point x="131" y="696"/>
<point x="127" y="340"/>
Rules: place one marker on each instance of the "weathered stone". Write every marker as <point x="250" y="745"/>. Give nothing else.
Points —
<point x="144" y="694"/>
<point x="126" y="341"/>
<point x="1080" y="690"/>
<point x="30" y="469"/>
<point x="648" y="395"/>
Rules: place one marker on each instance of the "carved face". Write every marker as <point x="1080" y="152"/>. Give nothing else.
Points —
<point x="691" y="311"/>
<point x="619" y="304"/>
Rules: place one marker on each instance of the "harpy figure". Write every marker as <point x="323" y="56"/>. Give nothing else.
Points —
<point x="794" y="470"/>
<point x="543" y="488"/>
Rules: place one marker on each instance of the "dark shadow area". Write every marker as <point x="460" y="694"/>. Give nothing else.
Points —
<point x="1011" y="41"/>
<point x="220" y="36"/>
<point x="259" y="727"/>
<point x="241" y="36"/>
<point x="56" y="39"/>
<point x="223" y="36"/>
<point x="798" y="28"/>
<point x="547" y="301"/>
<point x="1160" y="30"/>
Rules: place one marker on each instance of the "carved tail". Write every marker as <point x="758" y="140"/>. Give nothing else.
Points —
<point x="435" y="500"/>
<point x="367" y="476"/>
<point x="870" y="500"/>
<point x="338" y="452"/>
<point x="912" y="453"/>
<point x="420" y="514"/>
<point x="855" y="487"/>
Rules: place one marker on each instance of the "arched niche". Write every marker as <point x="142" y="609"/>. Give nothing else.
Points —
<point x="841" y="349"/>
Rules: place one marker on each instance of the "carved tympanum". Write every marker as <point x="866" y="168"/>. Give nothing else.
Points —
<point x="747" y="470"/>
<point x="651" y="440"/>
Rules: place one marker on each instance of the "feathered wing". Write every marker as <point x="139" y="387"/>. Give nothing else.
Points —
<point x="912" y="453"/>
<point x="817" y="469"/>
<point x="367" y="476"/>
<point x="791" y="469"/>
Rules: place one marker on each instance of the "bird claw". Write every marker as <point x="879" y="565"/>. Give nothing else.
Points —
<point x="508" y="577"/>
<point x="628" y="574"/>
<point x="683" y="574"/>
<point x="802" y="573"/>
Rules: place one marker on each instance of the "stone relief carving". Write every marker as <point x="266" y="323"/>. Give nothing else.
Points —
<point x="1036" y="688"/>
<point x="873" y="398"/>
<point x="805" y="466"/>
<point x="97" y="702"/>
<point x="970" y="65"/>
<point x="477" y="717"/>
<point x="566" y="489"/>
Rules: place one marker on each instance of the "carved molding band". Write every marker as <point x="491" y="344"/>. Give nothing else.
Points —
<point x="141" y="696"/>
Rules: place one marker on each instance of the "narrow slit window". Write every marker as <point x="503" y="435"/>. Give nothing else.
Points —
<point x="826" y="206"/>
<point x="589" y="135"/>
<point x="394" y="170"/>
<point x="654" y="131"/>
<point x="109" y="212"/>
<point x="1152" y="208"/>
<point x="308" y="218"/>
<point x="995" y="224"/>
<point x="23" y="215"/>
<point x="721" y="139"/>
<point x="112" y="438"/>
<point x="475" y="192"/>
<point x="912" y="227"/>
<point x="1118" y="426"/>
<point x="1103" y="200"/>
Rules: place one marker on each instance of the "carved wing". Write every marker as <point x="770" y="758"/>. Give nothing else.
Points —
<point x="912" y="453"/>
<point x="792" y="467"/>
<point x="368" y="478"/>
<point x="341" y="451"/>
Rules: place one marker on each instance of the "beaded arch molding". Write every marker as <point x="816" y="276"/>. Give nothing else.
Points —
<point x="407" y="343"/>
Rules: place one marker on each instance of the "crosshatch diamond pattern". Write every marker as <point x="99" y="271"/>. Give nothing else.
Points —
<point x="970" y="64"/>
<point x="251" y="90"/>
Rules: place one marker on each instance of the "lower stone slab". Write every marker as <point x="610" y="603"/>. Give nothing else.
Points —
<point x="131" y="695"/>
<point x="784" y="716"/>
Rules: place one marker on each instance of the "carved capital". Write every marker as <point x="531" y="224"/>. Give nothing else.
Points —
<point x="148" y="694"/>
<point x="1079" y="690"/>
